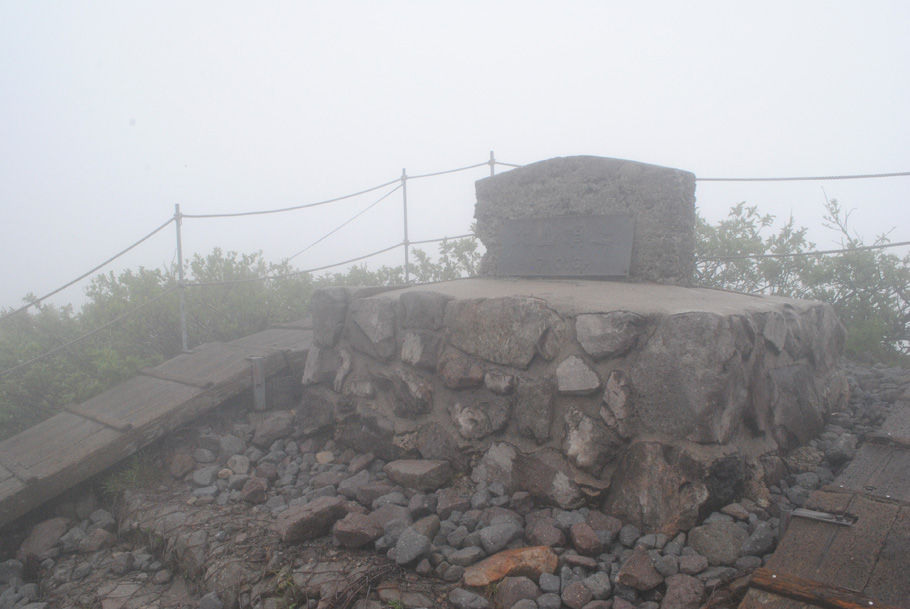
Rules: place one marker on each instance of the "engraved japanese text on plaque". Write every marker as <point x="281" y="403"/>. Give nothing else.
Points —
<point x="566" y="246"/>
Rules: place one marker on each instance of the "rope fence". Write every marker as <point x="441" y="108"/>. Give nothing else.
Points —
<point x="398" y="184"/>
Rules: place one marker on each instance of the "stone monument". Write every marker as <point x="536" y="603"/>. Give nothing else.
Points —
<point x="586" y="216"/>
<point x="658" y="402"/>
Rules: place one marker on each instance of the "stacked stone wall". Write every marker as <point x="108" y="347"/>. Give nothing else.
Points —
<point x="656" y="416"/>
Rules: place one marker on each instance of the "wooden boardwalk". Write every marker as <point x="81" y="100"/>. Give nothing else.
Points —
<point x="863" y="564"/>
<point x="85" y="439"/>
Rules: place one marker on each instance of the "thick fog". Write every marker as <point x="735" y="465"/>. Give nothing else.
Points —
<point x="112" y="113"/>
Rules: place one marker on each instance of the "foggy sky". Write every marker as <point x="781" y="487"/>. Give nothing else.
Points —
<point x="111" y="113"/>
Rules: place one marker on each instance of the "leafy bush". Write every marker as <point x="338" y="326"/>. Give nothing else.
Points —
<point x="868" y="288"/>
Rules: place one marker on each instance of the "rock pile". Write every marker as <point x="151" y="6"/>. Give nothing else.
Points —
<point x="257" y="511"/>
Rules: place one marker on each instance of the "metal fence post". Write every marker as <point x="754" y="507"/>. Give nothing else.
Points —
<point x="492" y="164"/>
<point x="181" y="285"/>
<point x="404" y="200"/>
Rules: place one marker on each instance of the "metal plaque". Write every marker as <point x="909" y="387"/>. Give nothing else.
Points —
<point x="566" y="246"/>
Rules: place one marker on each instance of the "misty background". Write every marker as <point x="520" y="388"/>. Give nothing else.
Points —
<point x="112" y="113"/>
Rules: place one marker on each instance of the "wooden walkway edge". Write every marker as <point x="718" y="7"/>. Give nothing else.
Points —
<point x="867" y="564"/>
<point x="85" y="439"/>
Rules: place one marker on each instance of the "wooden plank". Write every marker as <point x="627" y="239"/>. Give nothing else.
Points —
<point x="816" y="593"/>
<point x="206" y="365"/>
<point x="897" y="423"/>
<point x="277" y="339"/>
<point x="805" y="541"/>
<point x="890" y="581"/>
<point x="850" y="559"/>
<point x="57" y="454"/>
<point x="43" y="449"/>
<point x="879" y="469"/>
<point x="137" y="402"/>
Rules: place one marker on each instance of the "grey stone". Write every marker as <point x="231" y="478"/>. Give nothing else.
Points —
<point x="321" y="365"/>
<point x="549" y="582"/>
<point x="328" y="307"/>
<point x="465" y="599"/>
<point x="576" y="595"/>
<point x="411" y="545"/>
<point x="655" y="487"/>
<point x="459" y="371"/>
<point x="277" y="424"/>
<point x="683" y="592"/>
<point x="423" y="310"/>
<point x="420" y="474"/>
<point x="692" y="564"/>
<point x="610" y="334"/>
<point x="203" y="455"/>
<point x="550" y="600"/>
<point x="477" y="414"/>
<point x="499" y="382"/>
<point x="356" y="530"/>
<point x="511" y="590"/>
<point x="348" y="487"/>
<point x="616" y="411"/>
<point x="370" y="327"/>
<point x="638" y="572"/>
<point x="599" y="585"/>
<point x="421" y="348"/>
<point x="496" y="537"/>
<point x="206" y="476"/>
<point x="588" y="444"/>
<point x="761" y="541"/>
<point x="210" y="601"/>
<point x="533" y="409"/>
<point x="719" y="542"/>
<point x="500" y="330"/>
<point x="467" y="556"/>
<point x="309" y="521"/>
<point x="667" y="565"/>
<point x="575" y="377"/>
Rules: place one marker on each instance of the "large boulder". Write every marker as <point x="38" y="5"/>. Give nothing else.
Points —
<point x="504" y="331"/>
<point x="691" y="378"/>
<point x="657" y="488"/>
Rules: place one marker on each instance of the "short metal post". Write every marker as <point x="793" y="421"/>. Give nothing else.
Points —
<point x="492" y="164"/>
<point x="404" y="200"/>
<point x="181" y="285"/>
<point x="256" y="362"/>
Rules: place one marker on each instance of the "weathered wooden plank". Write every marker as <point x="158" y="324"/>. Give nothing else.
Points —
<point x="806" y="541"/>
<point x="850" y="559"/>
<point x="879" y="469"/>
<point x="55" y="455"/>
<point x="862" y="473"/>
<point x="137" y="402"/>
<point x="278" y="339"/>
<point x="897" y="423"/>
<point x="813" y="592"/>
<point x="43" y="449"/>
<point x="890" y="581"/>
<point x="206" y="365"/>
<point x="87" y="438"/>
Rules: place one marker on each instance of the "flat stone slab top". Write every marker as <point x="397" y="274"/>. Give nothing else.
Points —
<point x="576" y="297"/>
